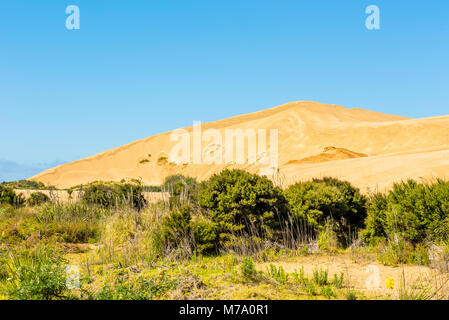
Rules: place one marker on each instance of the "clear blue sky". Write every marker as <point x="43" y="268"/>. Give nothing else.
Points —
<point x="138" y="68"/>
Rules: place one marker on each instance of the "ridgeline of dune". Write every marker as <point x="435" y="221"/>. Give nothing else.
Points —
<point x="370" y="149"/>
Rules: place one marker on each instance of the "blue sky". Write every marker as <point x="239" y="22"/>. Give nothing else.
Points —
<point x="138" y="68"/>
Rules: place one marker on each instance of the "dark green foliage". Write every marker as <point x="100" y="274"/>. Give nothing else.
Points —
<point x="27" y="184"/>
<point x="248" y="269"/>
<point x="376" y="219"/>
<point x="239" y="201"/>
<point x="111" y="194"/>
<point x="326" y="199"/>
<point x="37" y="198"/>
<point x="8" y="196"/>
<point x="176" y="184"/>
<point x="176" y="226"/>
<point x="412" y="211"/>
<point x="152" y="188"/>
<point x="205" y="235"/>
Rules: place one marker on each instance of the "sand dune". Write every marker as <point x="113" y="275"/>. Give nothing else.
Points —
<point x="370" y="149"/>
<point x="329" y="154"/>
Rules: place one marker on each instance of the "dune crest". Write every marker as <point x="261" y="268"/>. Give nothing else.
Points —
<point x="374" y="149"/>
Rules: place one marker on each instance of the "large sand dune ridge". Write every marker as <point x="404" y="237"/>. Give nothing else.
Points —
<point x="370" y="149"/>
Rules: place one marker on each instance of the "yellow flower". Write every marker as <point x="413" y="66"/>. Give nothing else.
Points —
<point x="390" y="283"/>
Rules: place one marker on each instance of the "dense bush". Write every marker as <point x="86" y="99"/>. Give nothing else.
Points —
<point x="37" y="198"/>
<point x="7" y="195"/>
<point x="183" y="190"/>
<point x="326" y="199"/>
<point x="237" y="201"/>
<point x="376" y="220"/>
<point x="412" y="211"/>
<point x="205" y="236"/>
<point x="178" y="229"/>
<point x="114" y="194"/>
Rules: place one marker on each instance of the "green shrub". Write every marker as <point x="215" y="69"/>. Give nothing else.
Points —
<point x="248" y="269"/>
<point x="412" y="211"/>
<point x="320" y="277"/>
<point x="351" y="295"/>
<point x="8" y="196"/>
<point x="277" y="273"/>
<point x="376" y="220"/>
<point x="205" y="236"/>
<point x="322" y="199"/>
<point x="176" y="227"/>
<point x="111" y="194"/>
<point x="328" y="292"/>
<point x="328" y="237"/>
<point x="418" y="211"/>
<point x="37" y="198"/>
<point x="177" y="184"/>
<point x="26" y="184"/>
<point x="37" y="273"/>
<point x="238" y="201"/>
<point x="337" y="281"/>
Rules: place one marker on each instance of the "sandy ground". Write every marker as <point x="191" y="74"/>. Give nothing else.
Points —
<point x="370" y="149"/>
<point x="368" y="275"/>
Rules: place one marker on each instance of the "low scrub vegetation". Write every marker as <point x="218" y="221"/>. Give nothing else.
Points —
<point x="210" y="234"/>
<point x="111" y="194"/>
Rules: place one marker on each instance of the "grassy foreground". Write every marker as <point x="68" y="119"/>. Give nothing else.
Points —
<point x="236" y="236"/>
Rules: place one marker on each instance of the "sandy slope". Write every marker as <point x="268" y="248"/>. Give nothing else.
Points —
<point x="372" y="149"/>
